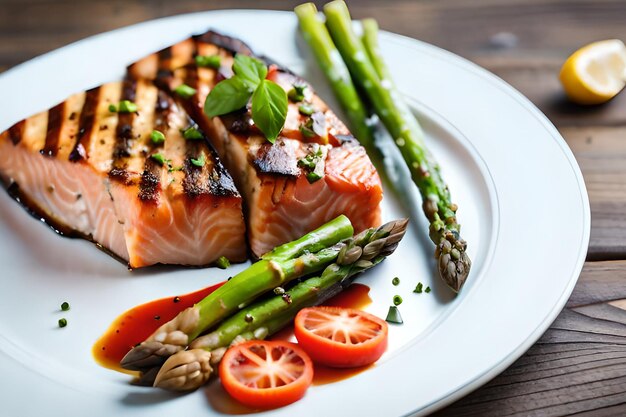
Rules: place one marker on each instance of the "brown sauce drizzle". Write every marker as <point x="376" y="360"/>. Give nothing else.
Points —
<point x="85" y="125"/>
<point x="56" y="117"/>
<point x="136" y="324"/>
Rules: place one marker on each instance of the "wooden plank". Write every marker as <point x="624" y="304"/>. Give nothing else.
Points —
<point x="601" y="152"/>
<point x="578" y="366"/>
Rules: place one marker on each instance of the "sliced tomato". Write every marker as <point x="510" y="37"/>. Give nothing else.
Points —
<point x="341" y="337"/>
<point x="266" y="374"/>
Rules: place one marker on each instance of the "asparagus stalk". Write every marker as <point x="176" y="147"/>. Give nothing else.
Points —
<point x="190" y="369"/>
<point x="453" y="261"/>
<point x="275" y="270"/>
<point x="318" y="38"/>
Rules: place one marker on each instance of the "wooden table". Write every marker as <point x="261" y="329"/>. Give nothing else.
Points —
<point x="579" y="365"/>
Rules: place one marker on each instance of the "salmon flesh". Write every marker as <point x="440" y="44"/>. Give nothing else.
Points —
<point x="96" y="173"/>
<point x="281" y="204"/>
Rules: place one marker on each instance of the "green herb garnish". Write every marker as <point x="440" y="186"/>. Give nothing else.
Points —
<point x="65" y="306"/>
<point x="209" y="61"/>
<point x="296" y="94"/>
<point x="62" y="322"/>
<point x="268" y="99"/>
<point x="393" y="315"/>
<point x="397" y="300"/>
<point x="418" y="288"/>
<point x="427" y="290"/>
<point x="310" y="163"/>
<point x="157" y="137"/>
<point x="125" y="106"/>
<point x="185" y="91"/>
<point x="250" y="70"/>
<point x="222" y="262"/>
<point x="192" y="133"/>
<point x="306" y="109"/>
<point x="395" y="281"/>
<point x="269" y="109"/>
<point x="158" y="157"/>
<point x="313" y="176"/>
<point x="199" y="162"/>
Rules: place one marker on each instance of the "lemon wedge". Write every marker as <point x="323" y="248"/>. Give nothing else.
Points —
<point x="595" y="73"/>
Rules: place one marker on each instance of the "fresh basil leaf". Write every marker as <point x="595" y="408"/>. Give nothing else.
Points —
<point x="227" y="96"/>
<point x="251" y="70"/>
<point x="269" y="109"/>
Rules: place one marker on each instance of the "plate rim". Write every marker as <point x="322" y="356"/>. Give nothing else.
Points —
<point x="465" y="64"/>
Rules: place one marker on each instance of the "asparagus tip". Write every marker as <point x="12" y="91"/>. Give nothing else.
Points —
<point x="184" y="371"/>
<point x="147" y="355"/>
<point x="454" y="264"/>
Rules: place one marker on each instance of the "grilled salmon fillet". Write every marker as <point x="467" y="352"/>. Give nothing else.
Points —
<point x="93" y="171"/>
<point x="281" y="203"/>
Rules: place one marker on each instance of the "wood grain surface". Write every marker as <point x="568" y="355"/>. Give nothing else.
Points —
<point x="579" y="365"/>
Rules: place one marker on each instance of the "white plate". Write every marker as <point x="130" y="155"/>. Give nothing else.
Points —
<point x="523" y="206"/>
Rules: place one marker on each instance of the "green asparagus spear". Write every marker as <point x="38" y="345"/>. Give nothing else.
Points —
<point x="239" y="291"/>
<point x="453" y="261"/>
<point x="316" y="35"/>
<point x="184" y="370"/>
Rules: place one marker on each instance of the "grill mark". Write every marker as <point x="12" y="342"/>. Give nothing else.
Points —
<point x="55" y="121"/>
<point x="163" y="67"/>
<point x="150" y="185"/>
<point x="124" y="131"/>
<point x="17" y="131"/>
<point x="191" y="182"/>
<point x="85" y="125"/>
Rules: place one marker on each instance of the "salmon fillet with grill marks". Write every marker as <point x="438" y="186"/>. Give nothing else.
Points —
<point x="90" y="172"/>
<point x="281" y="204"/>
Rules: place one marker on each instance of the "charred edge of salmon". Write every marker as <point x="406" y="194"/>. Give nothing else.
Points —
<point x="32" y="208"/>
<point x="229" y="43"/>
<point x="85" y="125"/>
<point x="276" y="159"/>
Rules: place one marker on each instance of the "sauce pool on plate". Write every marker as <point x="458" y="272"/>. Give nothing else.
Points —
<point x="136" y="324"/>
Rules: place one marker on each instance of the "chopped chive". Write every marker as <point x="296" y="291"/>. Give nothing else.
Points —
<point x="185" y="91"/>
<point x="397" y="300"/>
<point x="157" y="137"/>
<point x="209" y="61"/>
<point x="199" y="162"/>
<point x="312" y="177"/>
<point x="418" y="288"/>
<point x="427" y="290"/>
<point x="395" y="281"/>
<point x="159" y="158"/>
<point x="65" y="306"/>
<point x="62" y="322"/>
<point x="393" y="316"/>
<point x="306" y="131"/>
<point x="126" y="106"/>
<point x="306" y="109"/>
<point x="296" y="93"/>
<point x="192" y="133"/>
<point x="222" y="262"/>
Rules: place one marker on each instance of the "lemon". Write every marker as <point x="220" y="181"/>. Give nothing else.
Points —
<point x="595" y="73"/>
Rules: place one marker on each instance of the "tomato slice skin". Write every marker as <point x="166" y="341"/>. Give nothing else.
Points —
<point x="266" y="374"/>
<point x="341" y="337"/>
